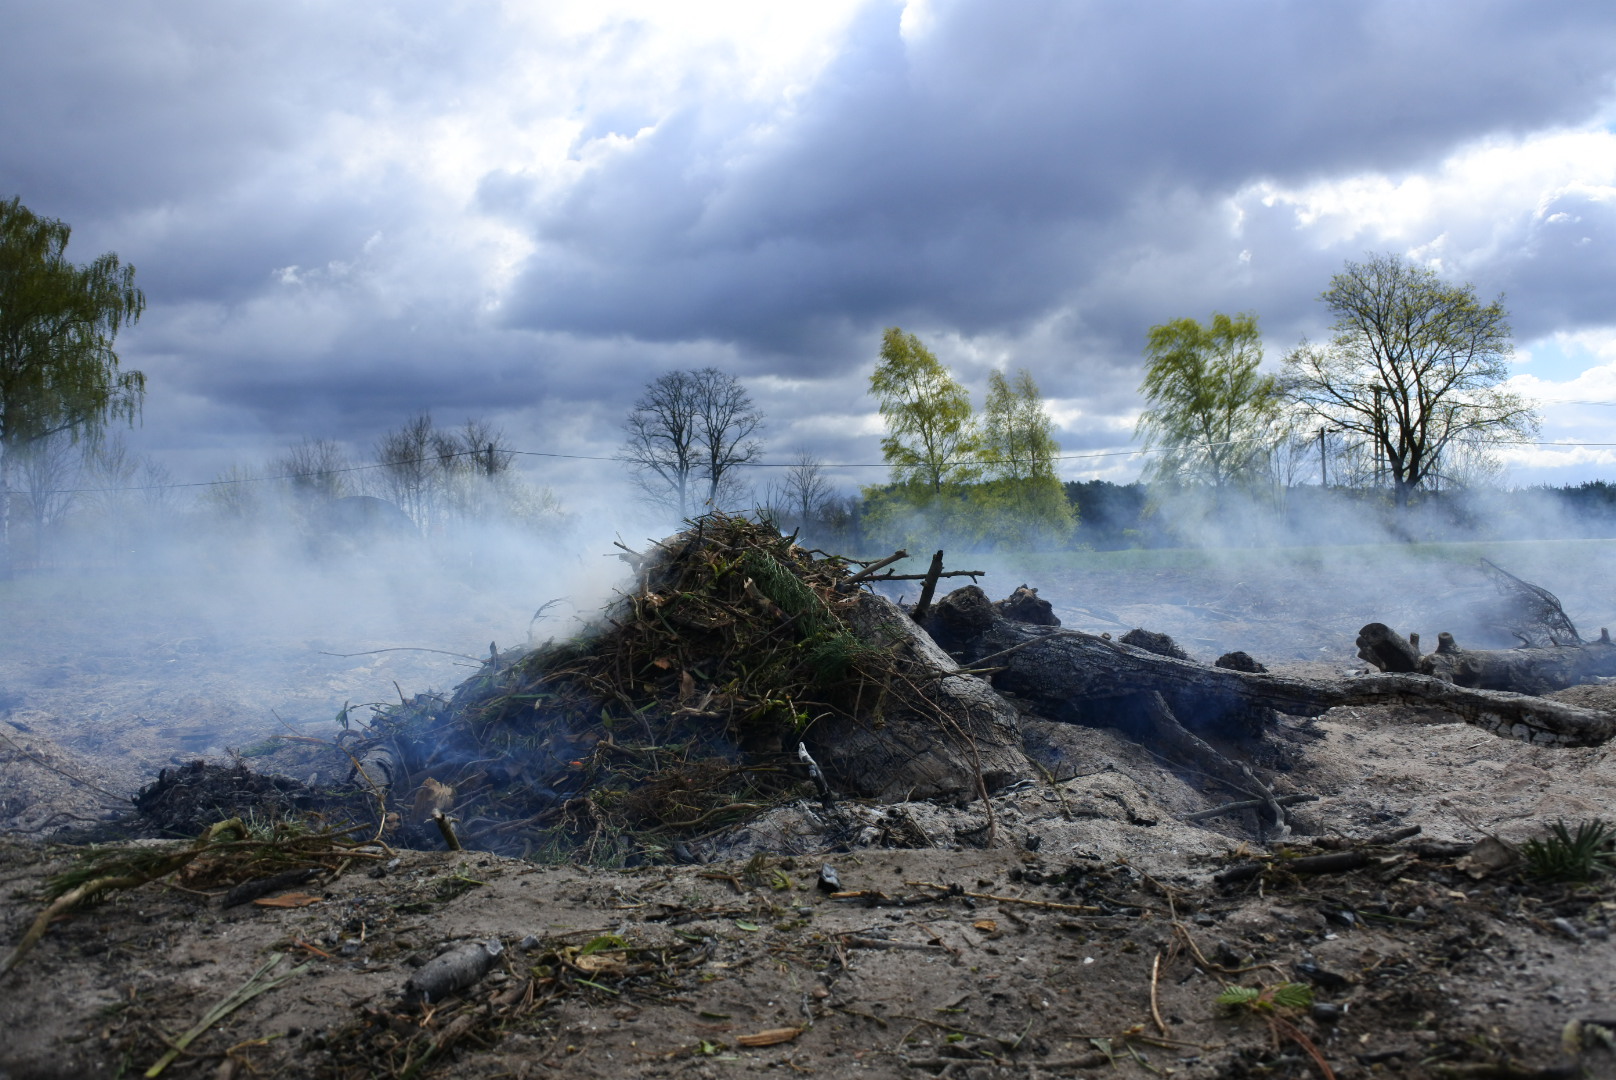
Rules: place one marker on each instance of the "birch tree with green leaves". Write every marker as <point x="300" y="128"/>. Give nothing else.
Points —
<point x="1211" y="413"/>
<point x="931" y="445"/>
<point x="932" y="436"/>
<point x="1022" y="492"/>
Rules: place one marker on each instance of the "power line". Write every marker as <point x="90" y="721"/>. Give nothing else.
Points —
<point x="287" y="476"/>
<point x="230" y="481"/>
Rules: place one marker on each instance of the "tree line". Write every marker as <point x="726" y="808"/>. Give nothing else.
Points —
<point x="956" y="476"/>
<point x="1407" y="396"/>
<point x="442" y="480"/>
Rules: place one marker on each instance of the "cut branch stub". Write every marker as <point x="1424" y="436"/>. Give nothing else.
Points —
<point x="1380" y="645"/>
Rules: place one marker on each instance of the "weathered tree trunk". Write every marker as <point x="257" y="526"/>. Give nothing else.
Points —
<point x="934" y="736"/>
<point x="1523" y="671"/>
<point x="1058" y="668"/>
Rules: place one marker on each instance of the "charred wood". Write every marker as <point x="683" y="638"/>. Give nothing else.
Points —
<point x="1054" y="668"/>
<point x="1026" y="606"/>
<point x="1381" y="646"/>
<point x="1163" y="732"/>
<point x="1522" y="671"/>
<point x="928" y="588"/>
<point x="961" y="617"/>
<point x="1152" y="642"/>
<point x="1336" y="862"/>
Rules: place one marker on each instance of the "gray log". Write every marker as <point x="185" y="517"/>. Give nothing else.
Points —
<point x="930" y="738"/>
<point x="1056" y="669"/>
<point x="1523" y="671"/>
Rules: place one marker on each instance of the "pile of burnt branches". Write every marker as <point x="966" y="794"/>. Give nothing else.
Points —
<point x="683" y="711"/>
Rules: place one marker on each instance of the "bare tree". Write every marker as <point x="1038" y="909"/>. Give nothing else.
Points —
<point x="125" y="484"/>
<point x="687" y="435"/>
<point x="438" y="476"/>
<point x="485" y="448"/>
<point x="48" y="469"/>
<point x="661" y="448"/>
<point x="800" y="496"/>
<point x="473" y="464"/>
<point x="315" y="468"/>
<point x="408" y="461"/>
<point x="1415" y="366"/>
<point x="806" y="490"/>
<point x="233" y="496"/>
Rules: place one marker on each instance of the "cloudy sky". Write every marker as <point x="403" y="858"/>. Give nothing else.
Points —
<point x="343" y="214"/>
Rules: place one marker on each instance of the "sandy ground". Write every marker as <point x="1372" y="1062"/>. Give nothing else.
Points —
<point x="1093" y="896"/>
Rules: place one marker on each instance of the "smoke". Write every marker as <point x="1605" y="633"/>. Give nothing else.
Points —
<point x="140" y="633"/>
<point x="1292" y="576"/>
<point x="148" y="629"/>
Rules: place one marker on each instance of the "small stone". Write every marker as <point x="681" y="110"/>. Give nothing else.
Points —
<point x="1327" y="1013"/>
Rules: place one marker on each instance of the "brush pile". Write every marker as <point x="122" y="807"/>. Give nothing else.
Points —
<point x="698" y="701"/>
<point x="741" y="673"/>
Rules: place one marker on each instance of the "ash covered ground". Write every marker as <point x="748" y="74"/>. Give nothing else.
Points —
<point x="1097" y="940"/>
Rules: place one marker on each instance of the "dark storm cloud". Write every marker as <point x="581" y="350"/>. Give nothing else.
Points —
<point x="1028" y="181"/>
<point x="974" y="176"/>
<point x="106" y="107"/>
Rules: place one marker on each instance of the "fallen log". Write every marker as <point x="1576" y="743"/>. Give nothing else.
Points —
<point x="1056" y="669"/>
<point x="1531" y="670"/>
<point x="940" y="734"/>
<point x="1523" y="671"/>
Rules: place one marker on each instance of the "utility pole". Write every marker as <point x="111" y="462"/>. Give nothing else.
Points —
<point x="1379" y="441"/>
<point x="1324" y="476"/>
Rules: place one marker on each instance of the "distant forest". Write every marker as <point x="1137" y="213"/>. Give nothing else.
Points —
<point x="1119" y="516"/>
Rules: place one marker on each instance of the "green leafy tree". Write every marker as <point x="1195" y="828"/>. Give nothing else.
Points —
<point x="1017" y="439"/>
<point x="932" y="437"/>
<point x="58" y="321"/>
<point x="1211" y="411"/>
<point x="1415" y="369"/>
<point x="931" y="445"/>
<point x="1021" y="496"/>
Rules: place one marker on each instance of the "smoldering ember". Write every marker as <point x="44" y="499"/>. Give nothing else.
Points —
<point x="760" y="813"/>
